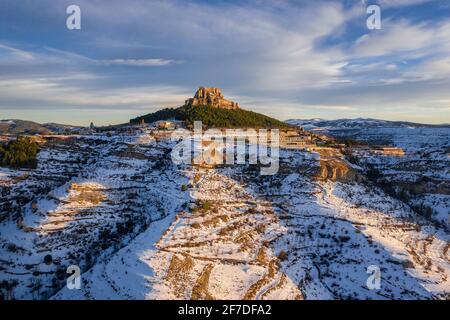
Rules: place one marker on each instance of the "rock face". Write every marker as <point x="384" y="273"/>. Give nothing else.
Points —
<point x="336" y="170"/>
<point x="211" y="97"/>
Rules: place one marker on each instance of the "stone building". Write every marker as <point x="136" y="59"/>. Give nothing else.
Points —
<point x="211" y="97"/>
<point x="388" y="151"/>
<point x="295" y="139"/>
<point x="166" y="125"/>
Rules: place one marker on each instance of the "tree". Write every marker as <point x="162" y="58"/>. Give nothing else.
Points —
<point x="212" y="117"/>
<point x="19" y="153"/>
<point x="48" y="259"/>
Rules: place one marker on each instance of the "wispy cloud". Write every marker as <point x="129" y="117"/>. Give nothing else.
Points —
<point x="17" y="53"/>
<point x="52" y="55"/>
<point x="33" y="94"/>
<point x="401" y="3"/>
<point x="139" y="62"/>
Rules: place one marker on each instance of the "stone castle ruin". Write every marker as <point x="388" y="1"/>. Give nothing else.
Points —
<point x="211" y="97"/>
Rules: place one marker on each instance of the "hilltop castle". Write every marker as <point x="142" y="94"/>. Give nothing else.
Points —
<point x="211" y="97"/>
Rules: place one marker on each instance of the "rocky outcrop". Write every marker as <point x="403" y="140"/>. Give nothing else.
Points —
<point x="211" y="97"/>
<point x="336" y="170"/>
<point x="425" y="185"/>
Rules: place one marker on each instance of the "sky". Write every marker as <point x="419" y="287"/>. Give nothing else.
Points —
<point x="287" y="59"/>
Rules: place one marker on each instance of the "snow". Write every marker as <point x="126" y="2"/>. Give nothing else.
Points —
<point x="9" y="122"/>
<point x="114" y="206"/>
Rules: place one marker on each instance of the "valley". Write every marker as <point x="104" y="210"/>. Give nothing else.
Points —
<point x="140" y="227"/>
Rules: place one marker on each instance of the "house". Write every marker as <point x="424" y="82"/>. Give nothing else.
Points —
<point x="388" y="151"/>
<point x="294" y="139"/>
<point x="166" y="125"/>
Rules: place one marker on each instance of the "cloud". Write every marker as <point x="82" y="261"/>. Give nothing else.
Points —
<point x="284" y="57"/>
<point x="139" y="62"/>
<point x="396" y="37"/>
<point x="65" y="92"/>
<point x="56" y="56"/>
<point x="407" y="52"/>
<point x="437" y="69"/>
<point x="277" y="39"/>
<point x="401" y="3"/>
<point x="17" y="53"/>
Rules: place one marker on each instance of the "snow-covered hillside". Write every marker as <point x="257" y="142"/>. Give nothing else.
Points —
<point x="420" y="178"/>
<point x="358" y="123"/>
<point x="142" y="228"/>
<point x="88" y="198"/>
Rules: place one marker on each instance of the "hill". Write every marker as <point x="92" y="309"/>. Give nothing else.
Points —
<point x="212" y="117"/>
<point x="209" y="106"/>
<point x="16" y="127"/>
<point x="19" y="127"/>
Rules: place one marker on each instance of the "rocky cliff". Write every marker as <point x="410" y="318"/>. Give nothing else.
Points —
<point x="337" y="170"/>
<point x="211" y="97"/>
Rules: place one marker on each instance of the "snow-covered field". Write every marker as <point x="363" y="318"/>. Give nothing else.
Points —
<point x="142" y="228"/>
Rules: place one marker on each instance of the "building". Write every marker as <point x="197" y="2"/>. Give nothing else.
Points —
<point x="388" y="151"/>
<point x="166" y="125"/>
<point x="295" y="139"/>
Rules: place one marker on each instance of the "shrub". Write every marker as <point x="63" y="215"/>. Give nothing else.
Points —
<point x="184" y="187"/>
<point x="374" y="174"/>
<point x="19" y="153"/>
<point x="202" y="205"/>
<point x="207" y="205"/>
<point x="197" y="177"/>
<point x="282" y="256"/>
<point x="48" y="259"/>
<point x="408" y="264"/>
<point x="344" y="238"/>
<point x="11" y="247"/>
<point x="260" y="228"/>
<point x="105" y="234"/>
<point x="121" y="228"/>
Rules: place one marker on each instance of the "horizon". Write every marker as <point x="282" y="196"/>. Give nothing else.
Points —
<point x="291" y="119"/>
<point x="290" y="60"/>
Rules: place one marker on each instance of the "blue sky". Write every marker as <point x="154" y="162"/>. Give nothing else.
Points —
<point x="288" y="59"/>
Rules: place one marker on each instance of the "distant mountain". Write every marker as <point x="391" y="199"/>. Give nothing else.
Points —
<point x="22" y="127"/>
<point x="17" y="127"/>
<point x="210" y="107"/>
<point x="407" y="135"/>
<point x="60" y="128"/>
<point x="358" y="123"/>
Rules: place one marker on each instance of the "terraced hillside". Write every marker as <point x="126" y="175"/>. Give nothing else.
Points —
<point x="289" y="236"/>
<point x="142" y="228"/>
<point x="89" y="196"/>
<point x="420" y="178"/>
